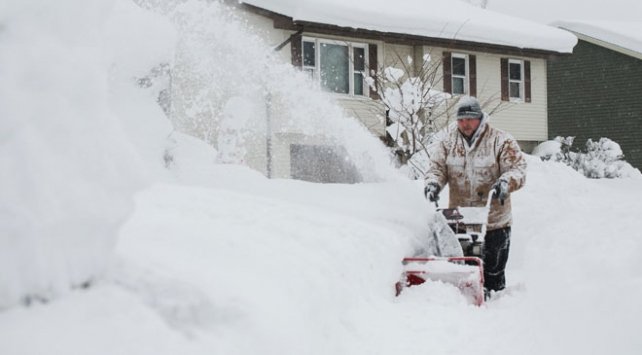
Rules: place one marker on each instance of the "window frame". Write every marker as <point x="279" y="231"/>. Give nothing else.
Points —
<point x="521" y="82"/>
<point x="466" y="75"/>
<point x="315" y="71"/>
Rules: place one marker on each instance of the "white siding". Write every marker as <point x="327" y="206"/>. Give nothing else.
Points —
<point x="369" y="112"/>
<point x="398" y="56"/>
<point x="525" y="121"/>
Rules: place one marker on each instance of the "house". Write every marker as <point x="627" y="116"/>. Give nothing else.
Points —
<point x="596" y="92"/>
<point x="498" y="58"/>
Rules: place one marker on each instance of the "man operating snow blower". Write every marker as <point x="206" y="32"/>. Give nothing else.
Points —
<point x="475" y="160"/>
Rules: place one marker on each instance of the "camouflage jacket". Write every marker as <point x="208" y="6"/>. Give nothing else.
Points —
<point x="471" y="170"/>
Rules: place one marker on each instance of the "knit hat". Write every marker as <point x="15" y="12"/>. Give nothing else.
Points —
<point x="468" y="107"/>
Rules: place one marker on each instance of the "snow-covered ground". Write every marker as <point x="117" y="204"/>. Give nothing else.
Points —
<point x="104" y="250"/>
<point x="246" y="265"/>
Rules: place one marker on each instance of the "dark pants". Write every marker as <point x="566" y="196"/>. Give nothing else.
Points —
<point x="495" y="256"/>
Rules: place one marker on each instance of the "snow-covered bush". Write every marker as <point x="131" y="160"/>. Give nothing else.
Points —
<point x="604" y="159"/>
<point x="601" y="159"/>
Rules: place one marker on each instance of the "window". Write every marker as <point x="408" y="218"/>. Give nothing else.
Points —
<point x="322" y="163"/>
<point x="340" y="67"/>
<point x="515" y="79"/>
<point x="459" y="74"/>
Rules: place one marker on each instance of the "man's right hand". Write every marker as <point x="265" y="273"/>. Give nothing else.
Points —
<point x="432" y="192"/>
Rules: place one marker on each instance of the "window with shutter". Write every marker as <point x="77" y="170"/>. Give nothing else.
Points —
<point x="516" y="80"/>
<point x="460" y="73"/>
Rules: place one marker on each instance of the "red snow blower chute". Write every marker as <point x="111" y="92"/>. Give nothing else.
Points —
<point x="453" y="252"/>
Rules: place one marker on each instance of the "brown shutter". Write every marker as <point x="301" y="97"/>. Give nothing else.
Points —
<point x="448" y="84"/>
<point x="296" y="50"/>
<point x="504" y="78"/>
<point x="374" y="68"/>
<point x="527" y="81"/>
<point x="472" y="79"/>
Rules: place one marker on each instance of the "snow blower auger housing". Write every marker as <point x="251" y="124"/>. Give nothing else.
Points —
<point x="455" y="253"/>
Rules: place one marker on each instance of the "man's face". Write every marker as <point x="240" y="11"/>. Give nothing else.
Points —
<point x="468" y="126"/>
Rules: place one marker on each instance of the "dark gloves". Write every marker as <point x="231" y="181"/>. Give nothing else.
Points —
<point x="432" y="192"/>
<point x="501" y="190"/>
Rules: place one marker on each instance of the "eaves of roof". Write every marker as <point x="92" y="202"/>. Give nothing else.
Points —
<point x="288" y="23"/>
<point x="605" y="44"/>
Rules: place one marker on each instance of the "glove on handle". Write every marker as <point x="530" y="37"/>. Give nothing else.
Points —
<point x="500" y="189"/>
<point x="431" y="191"/>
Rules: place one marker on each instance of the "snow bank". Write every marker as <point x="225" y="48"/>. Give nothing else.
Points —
<point x="251" y="265"/>
<point x="71" y="118"/>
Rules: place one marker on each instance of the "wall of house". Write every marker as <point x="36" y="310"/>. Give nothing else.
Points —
<point x="398" y="56"/>
<point x="526" y="121"/>
<point x="594" y="93"/>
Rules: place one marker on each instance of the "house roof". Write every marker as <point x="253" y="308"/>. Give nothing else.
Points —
<point x="621" y="36"/>
<point x="443" y="19"/>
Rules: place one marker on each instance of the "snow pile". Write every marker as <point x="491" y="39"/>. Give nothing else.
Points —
<point x="70" y="114"/>
<point x="250" y="265"/>
<point x="601" y="159"/>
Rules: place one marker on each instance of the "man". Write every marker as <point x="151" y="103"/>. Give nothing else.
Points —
<point x="474" y="160"/>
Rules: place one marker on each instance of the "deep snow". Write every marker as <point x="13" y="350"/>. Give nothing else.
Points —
<point x="206" y="258"/>
<point x="246" y="265"/>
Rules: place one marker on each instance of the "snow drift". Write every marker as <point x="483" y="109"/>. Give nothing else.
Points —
<point x="70" y="120"/>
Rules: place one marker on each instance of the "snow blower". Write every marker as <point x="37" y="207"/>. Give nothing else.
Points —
<point x="453" y="253"/>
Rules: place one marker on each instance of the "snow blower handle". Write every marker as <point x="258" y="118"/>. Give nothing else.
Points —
<point x="491" y="195"/>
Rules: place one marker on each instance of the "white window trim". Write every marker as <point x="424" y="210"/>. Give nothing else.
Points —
<point x="521" y="82"/>
<point x="466" y="72"/>
<point x="351" y="45"/>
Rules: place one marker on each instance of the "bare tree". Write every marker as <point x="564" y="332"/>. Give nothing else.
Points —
<point x="415" y="109"/>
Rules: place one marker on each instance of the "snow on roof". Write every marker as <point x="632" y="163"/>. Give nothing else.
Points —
<point x="623" y="34"/>
<point x="445" y="19"/>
